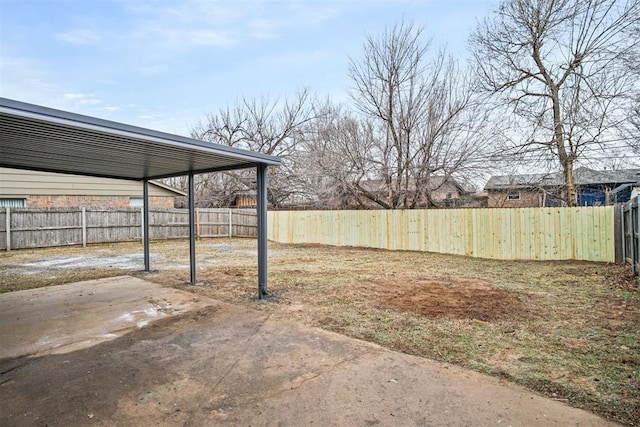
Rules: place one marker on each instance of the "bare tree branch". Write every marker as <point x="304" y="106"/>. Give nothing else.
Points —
<point x="563" y="66"/>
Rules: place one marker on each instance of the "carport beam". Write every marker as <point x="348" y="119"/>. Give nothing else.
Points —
<point x="192" y="229"/>
<point x="145" y="224"/>
<point x="262" y="230"/>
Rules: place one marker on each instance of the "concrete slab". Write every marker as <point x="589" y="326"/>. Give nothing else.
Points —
<point x="69" y="317"/>
<point x="226" y="365"/>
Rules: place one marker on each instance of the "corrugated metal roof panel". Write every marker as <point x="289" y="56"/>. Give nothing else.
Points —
<point x="40" y="138"/>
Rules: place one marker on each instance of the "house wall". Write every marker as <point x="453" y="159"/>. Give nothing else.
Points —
<point x="56" y="190"/>
<point x="65" y="201"/>
<point x="448" y="190"/>
<point x="468" y="201"/>
<point x="445" y="196"/>
<point x="500" y="199"/>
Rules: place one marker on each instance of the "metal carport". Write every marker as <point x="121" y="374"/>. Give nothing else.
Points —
<point x="40" y="138"/>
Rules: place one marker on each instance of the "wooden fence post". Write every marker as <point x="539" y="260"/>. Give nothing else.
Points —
<point x="623" y="232"/>
<point x="142" y="223"/>
<point x="197" y="223"/>
<point x="230" y="223"/>
<point x="84" y="227"/>
<point x="617" y="241"/>
<point x="632" y="225"/>
<point x="8" y="228"/>
<point x="635" y="218"/>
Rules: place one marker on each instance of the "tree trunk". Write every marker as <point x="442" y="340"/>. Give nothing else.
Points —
<point x="566" y="159"/>
<point x="571" y="193"/>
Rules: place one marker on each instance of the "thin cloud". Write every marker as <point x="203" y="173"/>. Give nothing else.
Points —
<point x="24" y="79"/>
<point x="79" y="37"/>
<point x="73" y="96"/>
<point x="151" y="70"/>
<point x="82" y="99"/>
<point x="263" y="28"/>
<point x="168" y="37"/>
<point x="209" y="38"/>
<point x="220" y="24"/>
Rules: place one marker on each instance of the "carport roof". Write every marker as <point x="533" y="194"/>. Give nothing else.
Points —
<point x="40" y="138"/>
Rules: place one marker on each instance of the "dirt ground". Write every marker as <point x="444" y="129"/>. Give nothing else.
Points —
<point x="567" y="330"/>
<point x="453" y="297"/>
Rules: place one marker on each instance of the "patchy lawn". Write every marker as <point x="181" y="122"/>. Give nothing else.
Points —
<point x="569" y="330"/>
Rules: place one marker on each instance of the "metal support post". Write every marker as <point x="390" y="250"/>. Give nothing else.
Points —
<point x="192" y="229"/>
<point x="262" y="230"/>
<point x="145" y="224"/>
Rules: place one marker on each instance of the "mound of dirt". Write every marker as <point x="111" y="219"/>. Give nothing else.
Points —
<point x="453" y="297"/>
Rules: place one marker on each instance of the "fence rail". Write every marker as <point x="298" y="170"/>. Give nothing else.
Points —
<point x="582" y="233"/>
<point x="32" y="227"/>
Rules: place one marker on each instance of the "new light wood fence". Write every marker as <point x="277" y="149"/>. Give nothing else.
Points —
<point x="31" y="228"/>
<point x="583" y="233"/>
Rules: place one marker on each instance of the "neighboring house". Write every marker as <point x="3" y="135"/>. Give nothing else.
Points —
<point x="594" y="188"/>
<point x="32" y="189"/>
<point x="473" y="200"/>
<point x="444" y="192"/>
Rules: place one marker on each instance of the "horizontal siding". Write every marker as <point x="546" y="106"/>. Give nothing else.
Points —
<point x="15" y="182"/>
<point x="583" y="233"/>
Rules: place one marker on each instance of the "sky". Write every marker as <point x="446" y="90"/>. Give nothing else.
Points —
<point x="165" y="65"/>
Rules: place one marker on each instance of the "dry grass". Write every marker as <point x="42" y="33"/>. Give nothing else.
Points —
<point x="566" y="329"/>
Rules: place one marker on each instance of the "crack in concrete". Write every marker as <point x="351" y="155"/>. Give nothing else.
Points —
<point x="314" y="376"/>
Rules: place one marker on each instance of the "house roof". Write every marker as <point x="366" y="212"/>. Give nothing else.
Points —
<point x="40" y="138"/>
<point x="500" y="182"/>
<point x="583" y="176"/>
<point x="169" y="188"/>
<point x="435" y="183"/>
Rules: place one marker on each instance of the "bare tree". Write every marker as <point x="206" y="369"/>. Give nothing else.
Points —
<point x="562" y="66"/>
<point x="274" y="127"/>
<point x="418" y="105"/>
<point x="339" y="155"/>
<point x="211" y="190"/>
<point x="632" y="131"/>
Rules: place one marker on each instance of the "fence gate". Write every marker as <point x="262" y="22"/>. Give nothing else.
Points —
<point x="631" y="234"/>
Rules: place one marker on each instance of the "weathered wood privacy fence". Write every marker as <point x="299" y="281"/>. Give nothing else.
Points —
<point x="30" y="228"/>
<point x="630" y="234"/>
<point x="583" y="233"/>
